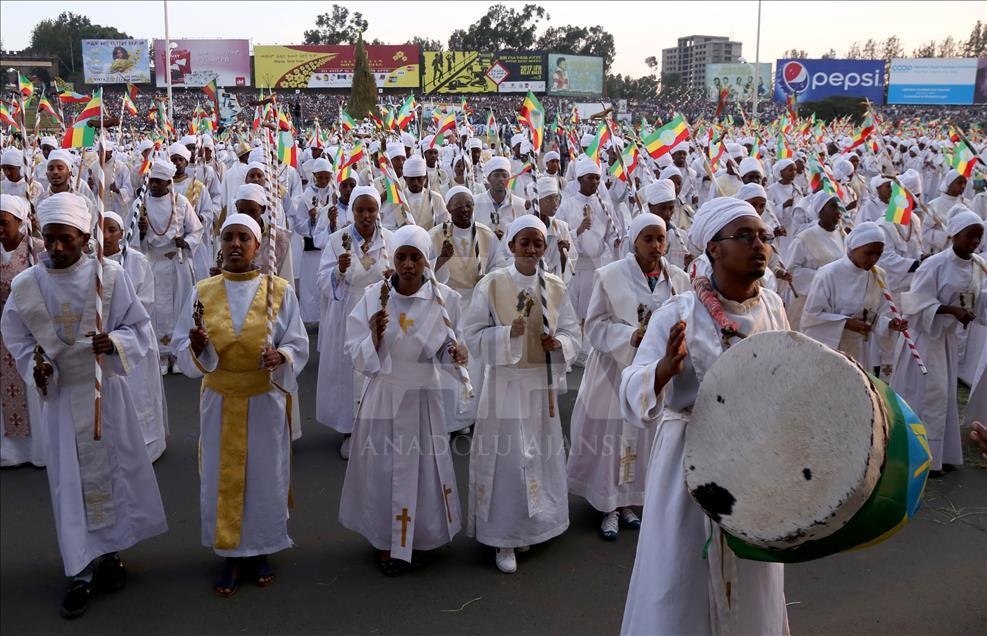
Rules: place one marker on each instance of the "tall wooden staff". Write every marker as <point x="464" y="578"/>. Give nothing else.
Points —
<point x="98" y="239"/>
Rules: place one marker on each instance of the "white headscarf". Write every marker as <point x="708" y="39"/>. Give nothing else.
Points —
<point x="454" y="190"/>
<point x="780" y="165"/>
<point x="960" y="218"/>
<point x="750" y="164"/>
<point x="17" y="206"/>
<point x="819" y="200"/>
<point x="67" y="208"/>
<point x="110" y="215"/>
<point x="524" y="222"/>
<point x="642" y="221"/>
<point x="877" y="181"/>
<point x="251" y="192"/>
<point x="414" y="236"/>
<point x="750" y="191"/>
<point x="864" y="234"/>
<point x="661" y="191"/>
<point x="364" y="191"/>
<point x="948" y="180"/>
<point x="716" y="214"/>
<point x="244" y="220"/>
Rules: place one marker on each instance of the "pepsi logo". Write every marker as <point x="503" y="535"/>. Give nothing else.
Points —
<point x="795" y="76"/>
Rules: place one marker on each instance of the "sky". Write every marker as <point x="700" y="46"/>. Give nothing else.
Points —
<point x="640" y="29"/>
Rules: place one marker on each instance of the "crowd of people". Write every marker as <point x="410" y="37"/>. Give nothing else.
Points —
<point x="451" y="289"/>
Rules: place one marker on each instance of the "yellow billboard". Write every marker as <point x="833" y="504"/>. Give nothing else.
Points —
<point x="331" y="66"/>
<point x="457" y="72"/>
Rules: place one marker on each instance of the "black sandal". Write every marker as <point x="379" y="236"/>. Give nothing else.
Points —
<point x="110" y="574"/>
<point x="77" y="599"/>
<point x="229" y="581"/>
<point x="263" y="571"/>
<point x="390" y="567"/>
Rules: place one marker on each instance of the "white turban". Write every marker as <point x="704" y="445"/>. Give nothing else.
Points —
<point x="736" y="151"/>
<point x="64" y="156"/>
<point x="256" y="156"/>
<point x="187" y="140"/>
<point x="641" y="221"/>
<point x="180" y="150"/>
<point x="244" y="220"/>
<point x="551" y="155"/>
<point x="413" y="236"/>
<point x="110" y="215"/>
<point x="750" y="191"/>
<point x="819" y="200"/>
<point x="960" y="218"/>
<point x="864" y="234"/>
<point x="321" y="165"/>
<point x="17" y="206"/>
<point x="453" y="191"/>
<point x="474" y="143"/>
<point x="585" y="167"/>
<point x="680" y="147"/>
<point x="586" y="140"/>
<point x="547" y="186"/>
<point x="407" y="140"/>
<point x="144" y="145"/>
<point x="256" y="165"/>
<point x="843" y="170"/>
<point x="415" y="166"/>
<point x="523" y="222"/>
<point x="394" y="149"/>
<point x="716" y="214"/>
<point x="497" y="163"/>
<point x="12" y="157"/>
<point x="750" y="164"/>
<point x="48" y="140"/>
<point x="780" y="165"/>
<point x="106" y="143"/>
<point x="948" y="180"/>
<point x="912" y="180"/>
<point x="251" y="192"/>
<point x="207" y="142"/>
<point x="426" y="142"/>
<point x="877" y="181"/>
<point x="661" y="191"/>
<point x="162" y="169"/>
<point x="670" y="171"/>
<point x="516" y="139"/>
<point x="67" y="208"/>
<point x="364" y="191"/>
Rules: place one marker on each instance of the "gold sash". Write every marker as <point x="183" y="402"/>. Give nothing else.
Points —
<point x="237" y="378"/>
<point x="504" y="293"/>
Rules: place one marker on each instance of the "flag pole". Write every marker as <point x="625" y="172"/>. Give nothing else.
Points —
<point x="167" y="63"/>
<point x="98" y="239"/>
<point x="757" y="60"/>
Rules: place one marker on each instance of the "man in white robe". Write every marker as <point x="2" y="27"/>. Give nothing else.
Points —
<point x="814" y="247"/>
<point x="425" y="206"/>
<point x="104" y="493"/>
<point x="314" y="204"/>
<point x="197" y="194"/>
<point x="673" y="588"/>
<point x="935" y="238"/>
<point x="497" y="208"/>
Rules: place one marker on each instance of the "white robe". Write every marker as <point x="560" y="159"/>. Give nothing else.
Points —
<point x="608" y="460"/>
<point x="339" y="385"/>
<point x="934" y="237"/>
<point x="309" y="296"/>
<point x="486" y="211"/>
<point x="811" y="249"/>
<point x="594" y="248"/>
<point x="204" y="254"/>
<point x="400" y="487"/>
<point x="902" y="252"/>
<point x="264" y="525"/>
<point x="518" y="495"/>
<point x="145" y="382"/>
<point x="939" y="280"/>
<point x="673" y="589"/>
<point x="126" y="506"/>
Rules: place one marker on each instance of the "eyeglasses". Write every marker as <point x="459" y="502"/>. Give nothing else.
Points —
<point x="748" y="238"/>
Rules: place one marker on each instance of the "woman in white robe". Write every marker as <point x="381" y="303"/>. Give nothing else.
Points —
<point x="313" y="204"/>
<point x="845" y="307"/>
<point x="400" y="487"/>
<point x="244" y="471"/>
<point x="814" y="247"/>
<point x="674" y="588"/>
<point x="344" y="275"/>
<point x="145" y="382"/>
<point x="104" y="493"/>
<point x="24" y="437"/>
<point x="935" y="237"/>
<point x="518" y="495"/>
<point x="947" y="294"/>
<point x="608" y="460"/>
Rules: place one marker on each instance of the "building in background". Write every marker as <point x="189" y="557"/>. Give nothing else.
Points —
<point x="688" y="60"/>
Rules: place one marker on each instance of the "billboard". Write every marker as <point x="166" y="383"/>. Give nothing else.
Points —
<point x="198" y="62"/>
<point x="116" y="61"/>
<point x="810" y="80"/>
<point x="518" y="72"/>
<point x="458" y="72"/>
<point x="980" y="84"/>
<point x="738" y="79"/>
<point x="932" y="81"/>
<point x="574" y="74"/>
<point x="331" y="66"/>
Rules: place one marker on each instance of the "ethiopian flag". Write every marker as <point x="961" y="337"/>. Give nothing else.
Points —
<point x="491" y="127"/>
<point x="346" y="121"/>
<point x="129" y="104"/>
<point x="80" y="135"/>
<point x="406" y="113"/>
<point x="663" y="139"/>
<point x="25" y="86"/>
<point x="45" y="106"/>
<point x="533" y="116"/>
<point x="287" y="150"/>
<point x="211" y="90"/>
<point x="900" y="205"/>
<point x="449" y="123"/>
<point x="962" y="159"/>
<point x="5" y="117"/>
<point x="601" y="139"/>
<point x="391" y="190"/>
<point x="91" y="110"/>
<point x="784" y="151"/>
<point x="69" y="97"/>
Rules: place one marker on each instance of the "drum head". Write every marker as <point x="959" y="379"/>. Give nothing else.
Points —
<point x="786" y="440"/>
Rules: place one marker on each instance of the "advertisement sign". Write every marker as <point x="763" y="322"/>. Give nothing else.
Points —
<point x="198" y="62"/>
<point x="518" y="72"/>
<point x="116" y="61"/>
<point x="932" y="81"/>
<point x="460" y="72"/>
<point x="980" y="86"/>
<point x="574" y="74"/>
<point x="331" y="66"/>
<point x="738" y="79"/>
<point x="810" y="80"/>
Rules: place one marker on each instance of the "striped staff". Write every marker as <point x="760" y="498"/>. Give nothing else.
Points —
<point x="464" y="376"/>
<point x="136" y="211"/>
<point x="897" y="314"/>
<point x="98" y="239"/>
<point x="272" y="207"/>
<point x="543" y="293"/>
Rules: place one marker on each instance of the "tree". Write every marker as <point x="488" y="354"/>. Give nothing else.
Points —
<point x="337" y="27"/>
<point x="795" y="54"/>
<point x="829" y="55"/>
<point x="854" y="52"/>
<point x="869" y="50"/>
<point x="426" y="44"/>
<point x="926" y="50"/>
<point x="948" y="48"/>
<point x="976" y="44"/>
<point x="892" y="48"/>
<point x="363" y="96"/>
<point x="62" y="38"/>
<point x="500" y="28"/>
<point x="576" y="40"/>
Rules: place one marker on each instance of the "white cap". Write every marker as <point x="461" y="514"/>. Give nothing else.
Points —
<point x="48" y="140"/>
<point x="12" y="157"/>
<point x="161" y="169"/>
<point x="642" y="221"/>
<point x="547" y="186"/>
<point x="661" y="191"/>
<point x="415" y="166"/>
<point x="585" y="167"/>
<point x="244" y="220"/>
<point x="497" y="163"/>
<point x="524" y="222"/>
<point x="180" y="150"/>
<point x="750" y="164"/>
<point x="321" y="165"/>
<point x="454" y="190"/>
<point x="251" y="192"/>
<point x="18" y="206"/>
<point x="67" y="208"/>
<point x="187" y="140"/>
<point x="412" y="236"/>
<point x="863" y="234"/>
<point x="394" y="149"/>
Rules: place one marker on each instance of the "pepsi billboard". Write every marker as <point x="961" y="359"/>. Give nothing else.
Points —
<point x="810" y="80"/>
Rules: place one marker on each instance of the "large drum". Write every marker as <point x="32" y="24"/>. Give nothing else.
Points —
<point x="797" y="453"/>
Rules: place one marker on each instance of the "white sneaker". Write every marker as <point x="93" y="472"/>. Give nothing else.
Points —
<point x="344" y="448"/>
<point x="610" y="526"/>
<point x="163" y="365"/>
<point x="506" y="562"/>
<point x="629" y="519"/>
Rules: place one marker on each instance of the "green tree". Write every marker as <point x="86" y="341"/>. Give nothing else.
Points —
<point x="363" y="95"/>
<point x="337" y="27"/>
<point x="976" y="44"/>
<point x="426" y="44"/>
<point x="795" y="54"/>
<point x="500" y="28"/>
<point x="926" y="50"/>
<point x="576" y="40"/>
<point x="62" y="37"/>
